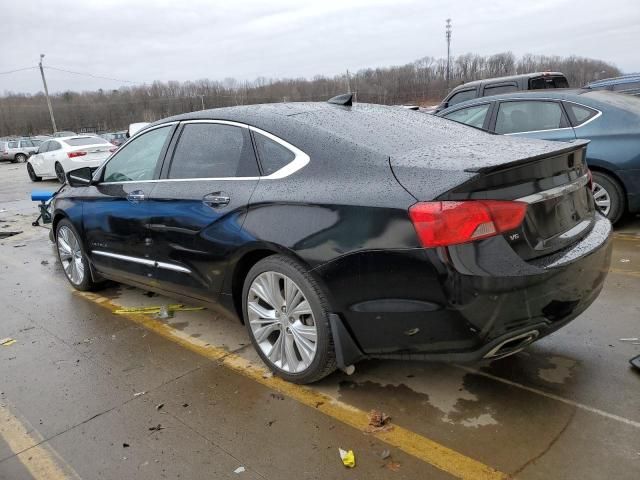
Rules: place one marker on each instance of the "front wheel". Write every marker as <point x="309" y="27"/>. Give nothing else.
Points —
<point x="608" y="196"/>
<point x="286" y="314"/>
<point x="60" y="173"/>
<point x="32" y="174"/>
<point x="72" y="257"/>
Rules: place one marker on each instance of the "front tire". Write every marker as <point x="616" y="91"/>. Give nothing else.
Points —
<point x="32" y="174"/>
<point x="72" y="257"/>
<point x="287" y="317"/>
<point x="608" y="196"/>
<point x="60" y="173"/>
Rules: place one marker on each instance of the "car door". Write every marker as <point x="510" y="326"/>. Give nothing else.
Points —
<point x="543" y="119"/>
<point x="115" y="209"/>
<point x="52" y="155"/>
<point x="37" y="161"/>
<point x="200" y="204"/>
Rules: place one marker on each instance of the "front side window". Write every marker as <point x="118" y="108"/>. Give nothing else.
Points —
<point x="138" y="160"/>
<point x="528" y="116"/>
<point x="272" y="155"/>
<point x="53" y="145"/>
<point x="472" y="116"/>
<point x="211" y="150"/>
<point x="26" y="143"/>
<point x="462" y="97"/>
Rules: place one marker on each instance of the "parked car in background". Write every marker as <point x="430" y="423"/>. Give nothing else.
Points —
<point x="57" y="156"/>
<point x="116" y="138"/>
<point x="65" y="133"/>
<point x="500" y="85"/>
<point x="609" y="120"/>
<point x="629" y="84"/>
<point x="339" y="232"/>
<point x="17" y="150"/>
<point x="135" y="128"/>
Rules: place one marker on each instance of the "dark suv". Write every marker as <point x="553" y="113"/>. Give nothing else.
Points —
<point x="500" y="85"/>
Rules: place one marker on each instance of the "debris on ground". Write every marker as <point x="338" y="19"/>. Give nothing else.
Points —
<point x="385" y="454"/>
<point x="157" y="428"/>
<point x="239" y="470"/>
<point x="125" y="445"/>
<point x="630" y="339"/>
<point x="138" y="394"/>
<point x="348" y="458"/>
<point x="164" y="312"/>
<point x="393" y="466"/>
<point x="277" y="396"/>
<point x="267" y="375"/>
<point x="378" y="422"/>
<point x="185" y="405"/>
<point x="6" y="342"/>
<point x="635" y="362"/>
<point x="20" y="245"/>
<point x="159" y="406"/>
<point x="150" y="294"/>
<point x="271" y="422"/>
<point x="44" y="262"/>
<point x="157" y="309"/>
<point x="624" y="260"/>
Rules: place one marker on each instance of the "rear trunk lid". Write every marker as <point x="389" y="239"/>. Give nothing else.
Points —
<point x="552" y="178"/>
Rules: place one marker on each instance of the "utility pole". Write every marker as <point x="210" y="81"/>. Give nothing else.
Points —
<point x="448" y="35"/>
<point x="46" y="93"/>
<point x="348" y="82"/>
<point x="202" y="100"/>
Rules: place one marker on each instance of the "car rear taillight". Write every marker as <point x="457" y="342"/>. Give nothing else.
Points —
<point x="76" y="154"/>
<point x="439" y="224"/>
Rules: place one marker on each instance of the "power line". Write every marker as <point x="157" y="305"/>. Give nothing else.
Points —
<point x="89" y="75"/>
<point x="17" y="70"/>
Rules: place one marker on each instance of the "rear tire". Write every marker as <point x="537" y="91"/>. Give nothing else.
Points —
<point x="21" y="158"/>
<point x="72" y="257"/>
<point x="609" y="196"/>
<point x="285" y="310"/>
<point x="32" y="174"/>
<point x="60" y="173"/>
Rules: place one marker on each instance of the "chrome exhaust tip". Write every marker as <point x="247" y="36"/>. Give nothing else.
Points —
<point x="512" y="345"/>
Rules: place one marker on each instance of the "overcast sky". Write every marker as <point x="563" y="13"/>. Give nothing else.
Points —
<point x="141" y="41"/>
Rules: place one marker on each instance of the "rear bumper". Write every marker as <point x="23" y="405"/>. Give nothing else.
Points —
<point x="459" y="304"/>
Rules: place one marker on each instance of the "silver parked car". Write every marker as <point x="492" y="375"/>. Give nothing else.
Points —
<point x="18" y="150"/>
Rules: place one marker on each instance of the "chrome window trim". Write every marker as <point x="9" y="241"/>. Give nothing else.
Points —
<point x="142" y="261"/>
<point x="577" y="184"/>
<point x="300" y="160"/>
<point x="102" y="167"/>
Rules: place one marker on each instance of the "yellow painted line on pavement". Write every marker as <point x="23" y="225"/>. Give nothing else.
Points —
<point x="429" y="451"/>
<point x="40" y="460"/>
<point x="620" y="271"/>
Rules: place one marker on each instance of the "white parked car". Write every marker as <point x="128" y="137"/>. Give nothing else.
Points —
<point x="57" y="156"/>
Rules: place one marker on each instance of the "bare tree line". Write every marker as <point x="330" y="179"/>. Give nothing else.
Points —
<point x="421" y="82"/>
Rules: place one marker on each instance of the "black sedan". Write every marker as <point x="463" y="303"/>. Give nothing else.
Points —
<point x="339" y="232"/>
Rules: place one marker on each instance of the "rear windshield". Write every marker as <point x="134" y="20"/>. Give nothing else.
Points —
<point x="548" y="82"/>
<point x="81" y="141"/>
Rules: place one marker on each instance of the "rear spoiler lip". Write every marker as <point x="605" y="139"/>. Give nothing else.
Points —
<point x="572" y="146"/>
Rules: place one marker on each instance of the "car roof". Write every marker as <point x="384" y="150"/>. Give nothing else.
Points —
<point x="509" y="77"/>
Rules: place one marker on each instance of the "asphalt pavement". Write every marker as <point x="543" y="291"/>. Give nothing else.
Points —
<point x="86" y="392"/>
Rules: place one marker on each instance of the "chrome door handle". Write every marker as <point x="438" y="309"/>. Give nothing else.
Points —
<point x="135" y="196"/>
<point x="216" y="199"/>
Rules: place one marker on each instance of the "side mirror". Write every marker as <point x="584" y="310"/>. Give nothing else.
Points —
<point x="80" y="177"/>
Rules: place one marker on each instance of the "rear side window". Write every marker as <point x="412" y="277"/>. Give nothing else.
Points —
<point x="272" y="155"/>
<point x="498" y="89"/>
<point x="210" y="150"/>
<point x="81" y="141"/>
<point x="13" y="144"/>
<point x="580" y="113"/>
<point x="473" y="116"/>
<point x="138" y="159"/>
<point x="515" y="117"/>
<point x="26" y="143"/>
<point x="53" y="145"/>
<point x="462" y="97"/>
<point x="44" y="147"/>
